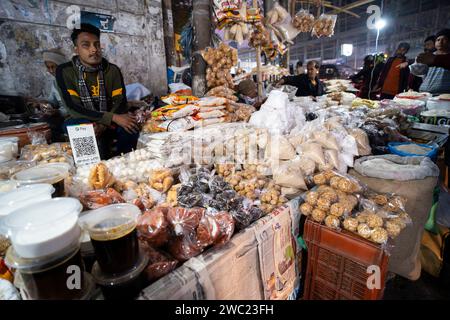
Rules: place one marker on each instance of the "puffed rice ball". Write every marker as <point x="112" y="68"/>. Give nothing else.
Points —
<point x="323" y="204"/>
<point x="350" y="224"/>
<point x="364" y="230"/>
<point x="345" y="185"/>
<point x="311" y="197"/>
<point x="330" y="195"/>
<point x="324" y="189"/>
<point x="380" y="199"/>
<point x="362" y="217"/>
<point x="334" y="182"/>
<point x="337" y="209"/>
<point x="332" y="222"/>
<point x="353" y="201"/>
<point x="393" y="229"/>
<point x="318" y="215"/>
<point x="400" y="222"/>
<point x="374" y="221"/>
<point x="320" y="179"/>
<point x="379" y="235"/>
<point x="306" y="209"/>
<point x="329" y="174"/>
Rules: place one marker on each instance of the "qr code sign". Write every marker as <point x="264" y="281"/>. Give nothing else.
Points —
<point x="84" y="146"/>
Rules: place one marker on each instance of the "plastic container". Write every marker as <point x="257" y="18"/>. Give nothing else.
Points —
<point x="438" y="104"/>
<point x="43" y="228"/>
<point x="57" y="276"/>
<point x="125" y="286"/>
<point x="15" y="144"/>
<point x="437" y="117"/>
<point x="113" y="234"/>
<point x="45" y="173"/>
<point x="24" y="196"/>
<point x="393" y="148"/>
<point x="338" y="263"/>
<point x="6" y="151"/>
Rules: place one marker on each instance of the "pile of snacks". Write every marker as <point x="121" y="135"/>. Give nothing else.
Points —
<point x="277" y="15"/>
<point x="324" y="26"/>
<point x="260" y="37"/>
<point x="47" y="153"/>
<point x="220" y="61"/>
<point x="303" y="21"/>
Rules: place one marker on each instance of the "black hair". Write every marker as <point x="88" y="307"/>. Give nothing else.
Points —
<point x="299" y="64"/>
<point x="314" y="62"/>
<point x="430" y="38"/>
<point x="443" y="32"/>
<point x="84" y="27"/>
<point x="403" y="45"/>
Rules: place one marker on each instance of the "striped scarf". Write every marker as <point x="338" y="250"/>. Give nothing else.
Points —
<point x="85" y="95"/>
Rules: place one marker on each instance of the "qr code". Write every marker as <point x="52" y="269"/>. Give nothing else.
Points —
<point x="84" y="146"/>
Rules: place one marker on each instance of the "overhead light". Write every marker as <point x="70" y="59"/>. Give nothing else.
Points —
<point x="380" y="24"/>
<point x="347" y="49"/>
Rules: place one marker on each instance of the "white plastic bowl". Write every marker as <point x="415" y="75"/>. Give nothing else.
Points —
<point x="24" y="196"/>
<point x="44" y="228"/>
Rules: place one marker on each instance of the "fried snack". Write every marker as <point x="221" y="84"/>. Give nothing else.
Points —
<point x="312" y="197"/>
<point x="393" y="229"/>
<point x="100" y="177"/>
<point x="318" y="215"/>
<point x="379" y="235"/>
<point x="331" y="196"/>
<point x="329" y="174"/>
<point x="374" y="221"/>
<point x="400" y="222"/>
<point x="161" y="180"/>
<point x="306" y="209"/>
<point x="350" y="224"/>
<point x="364" y="230"/>
<point x="320" y="179"/>
<point x="338" y="209"/>
<point x="323" y="204"/>
<point x="332" y="222"/>
<point x="379" y="199"/>
<point x="324" y="188"/>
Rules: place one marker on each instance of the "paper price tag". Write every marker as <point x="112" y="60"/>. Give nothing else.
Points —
<point x="84" y="144"/>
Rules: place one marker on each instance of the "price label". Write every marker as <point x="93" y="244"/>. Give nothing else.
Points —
<point x="84" y="144"/>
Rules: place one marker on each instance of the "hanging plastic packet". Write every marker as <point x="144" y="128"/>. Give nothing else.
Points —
<point x="324" y="26"/>
<point x="303" y="21"/>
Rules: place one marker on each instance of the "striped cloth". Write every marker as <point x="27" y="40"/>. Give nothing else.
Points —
<point x="437" y="81"/>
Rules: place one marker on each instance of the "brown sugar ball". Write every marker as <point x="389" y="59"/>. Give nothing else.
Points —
<point x="379" y="235"/>
<point x="311" y="197"/>
<point x="332" y="222"/>
<point x="374" y="221"/>
<point x="364" y="230"/>
<point x="350" y="224"/>
<point x="318" y="215"/>
<point x="306" y="209"/>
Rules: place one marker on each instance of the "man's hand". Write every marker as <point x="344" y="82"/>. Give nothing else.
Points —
<point x="126" y="121"/>
<point x="426" y="58"/>
<point x="402" y="65"/>
<point x="279" y="83"/>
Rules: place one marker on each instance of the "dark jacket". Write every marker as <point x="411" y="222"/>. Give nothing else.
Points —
<point x="365" y="75"/>
<point x="404" y="74"/>
<point x="442" y="60"/>
<point x="304" y="86"/>
<point x="67" y="80"/>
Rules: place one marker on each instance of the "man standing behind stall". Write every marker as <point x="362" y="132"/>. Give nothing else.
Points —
<point x="94" y="92"/>
<point x="307" y="84"/>
<point x="395" y="75"/>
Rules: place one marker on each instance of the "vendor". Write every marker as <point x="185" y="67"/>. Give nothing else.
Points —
<point x="307" y="84"/>
<point x="248" y="93"/>
<point x="52" y="59"/>
<point x="437" y="80"/>
<point x="395" y="74"/>
<point x="94" y="92"/>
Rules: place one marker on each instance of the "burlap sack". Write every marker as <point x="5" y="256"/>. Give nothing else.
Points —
<point x="405" y="259"/>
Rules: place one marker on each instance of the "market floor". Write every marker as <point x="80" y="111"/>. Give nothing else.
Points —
<point x="426" y="288"/>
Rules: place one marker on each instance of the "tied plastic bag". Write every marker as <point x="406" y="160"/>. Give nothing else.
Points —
<point x="226" y="226"/>
<point x="100" y="198"/>
<point x="324" y="26"/>
<point x="153" y="227"/>
<point x="208" y="231"/>
<point x="279" y="148"/>
<point x="159" y="263"/>
<point x="362" y="141"/>
<point x="289" y="175"/>
<point x="326" y="139"/>
<point x="184" y="221"/>
<point x="184" y="247"/>
<point x="277" y="15"/>
<point x="312" y="151"/>
<point x="303" y="21"/>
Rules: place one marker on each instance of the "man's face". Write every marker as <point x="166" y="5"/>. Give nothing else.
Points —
<point x="51" y="67"/>
<point x="88" y="49"/>
<point x="429" y="46"/>
<point x="401" y="52"/>
<point x="442" y="43"/>
<point x="312" y="71"/>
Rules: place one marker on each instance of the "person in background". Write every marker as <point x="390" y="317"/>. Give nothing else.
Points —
<point x="307" y="84"/>
<point x="437" y="79"/>
<point x="299" y="69"/>
<point x="428" y="46"/>
<point x="395" y="74"/>
<point x="52" y="59"/>
<point x="248" y="93"/>
<point x="94" y="92"/>
<point x="441" y="60"/>
<point x="367" y="77"/>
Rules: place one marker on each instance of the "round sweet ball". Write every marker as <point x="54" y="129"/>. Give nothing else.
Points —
<point x="329" y="174"/>
<point x="323" y="204"/>
<point x="331" y="196"/>
<point x="334" y="182"/>
<point x="362" y="217"/>
<point x="351" y="224"/>
<point x="318" y="215"/>
<point x="364" y="230"/>
<point x="393" y="229"/>
<point x="324" y="189"/>
<point x="380" y="199"/>
<point x="337" y="209"/>
<point x="400" y="222"/>
<point x="332" y="222"/>
<point x="345" y="185"/>
<point x="320" y="179"/>
<point x="379" y="235"/>
<point x="374" y="221"/>
<point x="306" y="209"/>
<point x="311" y="197"/>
